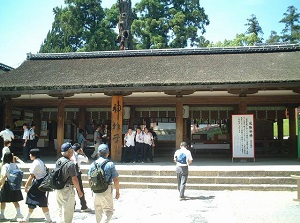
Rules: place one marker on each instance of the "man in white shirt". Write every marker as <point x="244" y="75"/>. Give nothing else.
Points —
<point x="6" y="134"/>
<point x="129" y="145"/>
<point x="32" y="137"/>
<point x="26" y="146"/>
<point x="183" y="159"/>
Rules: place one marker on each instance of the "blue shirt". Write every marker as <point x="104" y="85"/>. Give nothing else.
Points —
<point x="109" y="169"/>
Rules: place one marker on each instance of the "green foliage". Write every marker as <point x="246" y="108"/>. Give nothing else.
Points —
<point x="171" y="23"/>
<point x="273" y="38"/>
<point x="291" y="31"/>
<point x="81" y="26"/>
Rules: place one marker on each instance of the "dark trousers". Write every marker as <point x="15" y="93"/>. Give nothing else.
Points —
<point x="138" y="156"/>
<point x="182" y="176"/>
<point x="82" y="199"/>
<point x="147" y="152"/>
<point x="128" y="151"/>
<point x="26" y="149"/>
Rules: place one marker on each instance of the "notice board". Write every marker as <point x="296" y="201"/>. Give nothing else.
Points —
<point x="243" y="136"/>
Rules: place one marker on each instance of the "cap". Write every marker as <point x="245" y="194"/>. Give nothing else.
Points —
<point x="103" y="149"/>
<point x="184" y="144"/>
<point x="35" y="150"/>
<point x="66" y="146"/>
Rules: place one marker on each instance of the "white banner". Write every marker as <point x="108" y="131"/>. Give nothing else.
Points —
<point x="243" y="136"/>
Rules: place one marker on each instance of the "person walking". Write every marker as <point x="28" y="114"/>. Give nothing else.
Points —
<point x="103" y="202"/>
<point x="26" y="145"/>
<point x="6" y="193"/>
<point x="80" y="138"/>
<point x="97" y="141"/>
<point x="35" y="197"/>
<point x="7" y="134"/>
<point x="32" y="137"/>
<point x="66" y="196"/>
<point x="183" y="159"/>
<point x="79" y="157"/>
<point x="6" y="149"/>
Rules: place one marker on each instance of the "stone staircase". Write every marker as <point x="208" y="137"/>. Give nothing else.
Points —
<point x="252" y="180"/>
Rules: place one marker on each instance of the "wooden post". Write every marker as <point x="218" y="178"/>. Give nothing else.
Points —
<point x="7" y="113"/>
<point x="179" y="121"/>
<point x="60" y="125"/>
<point x="116" y="127"/>
<point x="280" y="129"/>
<point x="292" y="131"/>
<point x="81" y="123"/>
<point x="242" y="107"/>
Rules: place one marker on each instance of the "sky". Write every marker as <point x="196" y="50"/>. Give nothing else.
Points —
<point x="24" y="24"/>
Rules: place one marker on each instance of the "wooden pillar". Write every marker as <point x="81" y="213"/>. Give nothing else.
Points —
<point x="280" y="129"/>
<point x="7" y="113"/>
<point x="116" y="127"/>
<point x="60" y="125"/>
<point x="292" y="130"/>
<point x="179" y="121"/>
<point x="81" y="122"/>
<point x="132" y="117"/>
<point x="242" y="107"/>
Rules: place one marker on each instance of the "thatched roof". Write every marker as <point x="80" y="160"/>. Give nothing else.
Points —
<point x="156" y="70"/>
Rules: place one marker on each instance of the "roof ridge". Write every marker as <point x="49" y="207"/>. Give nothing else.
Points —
<point x="164" y="52"/>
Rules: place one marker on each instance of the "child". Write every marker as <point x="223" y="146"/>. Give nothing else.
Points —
<point x="6" y="193"/>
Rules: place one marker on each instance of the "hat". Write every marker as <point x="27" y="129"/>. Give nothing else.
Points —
<point x="103" y="149"/>
<point x="66" y="146"/>
<point x="35" y="150"/>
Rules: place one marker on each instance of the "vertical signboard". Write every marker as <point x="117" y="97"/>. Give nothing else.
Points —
<point x="298" y="133"/>
<point x="243" y="136"/>
<point x="116" y="127"/>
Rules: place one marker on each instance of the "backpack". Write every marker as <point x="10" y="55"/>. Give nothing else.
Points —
<point x="14" y="178"/>
<point x="182" y="158"/>
<point x="98" y="182"/>
<point x="54" y="179"/>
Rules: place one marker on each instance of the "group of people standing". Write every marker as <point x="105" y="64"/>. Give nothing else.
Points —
<point x="138" y="145"/>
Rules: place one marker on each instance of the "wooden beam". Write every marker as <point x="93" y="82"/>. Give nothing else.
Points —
<point x="60" y="126"/>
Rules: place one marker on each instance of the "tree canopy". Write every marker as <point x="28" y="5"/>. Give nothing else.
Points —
<point x="291" y="31"/>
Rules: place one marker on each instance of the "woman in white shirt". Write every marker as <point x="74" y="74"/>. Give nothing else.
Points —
<point x="6" y="193"/>
<point x="35" y="197"/>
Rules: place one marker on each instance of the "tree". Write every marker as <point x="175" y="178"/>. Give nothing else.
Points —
<point x="254" y="27"/>
<point x="81" y="26"/>
<point x="273" y="38"/>
<point x="239" y="40"/>
<point x="291" y="31"/>
<point x="170" y="23"/>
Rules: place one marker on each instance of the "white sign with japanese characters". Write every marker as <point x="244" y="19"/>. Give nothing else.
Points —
<point x="243" y="136"/>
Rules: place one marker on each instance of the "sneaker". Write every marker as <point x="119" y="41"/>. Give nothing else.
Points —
<point x="19" y="217"/>
<point x="86" y="210"/>
<point x="21" y="220"/>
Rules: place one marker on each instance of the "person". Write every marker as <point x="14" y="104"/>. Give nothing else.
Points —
<point x="97" y="140"/>
<point x="154" y="146"/>
<point x="32" y="137"/>
<point x="7" y="134"/>
<point x="183" y="159"/>
<point x="149" y="142"/>
<point x="139" y="145"/>
<point x="26" y="145"/>
<point x="80" y="138"/>
<point x="103" y="202"/>
<point x="66" y="196"/>
<point x="129" y="145"/>
<point x="35" y="197"/>
<point x="6" y="193"/>
<point x="6" y="149"/>
<point x="79" y="157"/>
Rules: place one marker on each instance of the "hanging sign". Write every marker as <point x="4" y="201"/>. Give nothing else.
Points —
<point x="243" y="136"/>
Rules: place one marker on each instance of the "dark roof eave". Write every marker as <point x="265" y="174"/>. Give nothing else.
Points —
<point x="146" y="88"/>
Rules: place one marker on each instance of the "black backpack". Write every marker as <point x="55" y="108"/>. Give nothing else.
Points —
<point x="98" y="182"/>
<point x="54" y="179"/>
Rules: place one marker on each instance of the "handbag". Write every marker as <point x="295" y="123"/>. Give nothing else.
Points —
<point x="46" y="182"/>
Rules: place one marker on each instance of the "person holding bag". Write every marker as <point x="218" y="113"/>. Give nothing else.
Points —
<point x="35" y="197"/>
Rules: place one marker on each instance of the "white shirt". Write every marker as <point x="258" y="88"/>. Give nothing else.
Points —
<point x="4" y="150"/>
<point x="38" y="169"/>
<point x="26" y="134"/>
<point x="7" y="167"/>
<point x="7" y="135"/>
<point x="129" y="139"/>
<point x="79" y="158"/>
<point x="139" y="137"/>
<point x="148" y="138"/>
<point x="187" y="154"/>
<point x="31" y="134"/>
